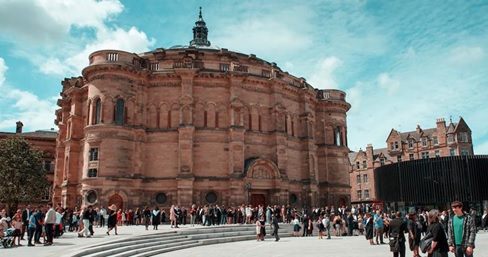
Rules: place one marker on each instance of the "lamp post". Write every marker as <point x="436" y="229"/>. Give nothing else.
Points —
<point x="305" y="196"/>
<point x="248" y="188"/>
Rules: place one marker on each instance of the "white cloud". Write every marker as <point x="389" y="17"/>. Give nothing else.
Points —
<point x="47" y="23"/>
<point x="24" y="106"/>
<point x="3" y="70"/>
<point x="465" y="55"/>
<point x="132" y="40"/>
<point x="387" y="83"/>
<point x="323" y="77"/>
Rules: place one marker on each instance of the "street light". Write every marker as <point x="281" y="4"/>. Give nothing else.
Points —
<point x="304" y="187"/>
<point x="248" y="188"/>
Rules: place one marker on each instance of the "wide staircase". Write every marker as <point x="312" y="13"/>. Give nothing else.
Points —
<point x="154" y="244"/>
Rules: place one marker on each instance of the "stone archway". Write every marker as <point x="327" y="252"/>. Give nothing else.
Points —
<point x="117" y="200"/>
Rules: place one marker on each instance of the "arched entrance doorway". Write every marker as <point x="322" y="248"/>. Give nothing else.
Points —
<point x="117" y="200"/>
<point x="258" y="199"/>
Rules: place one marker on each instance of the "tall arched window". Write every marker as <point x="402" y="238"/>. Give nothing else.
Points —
<point x="119" y="112"/>
<point x="98" y="109"/>
<point x="337" y="136"/>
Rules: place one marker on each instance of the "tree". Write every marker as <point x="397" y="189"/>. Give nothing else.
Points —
<point x="22" y="178"/>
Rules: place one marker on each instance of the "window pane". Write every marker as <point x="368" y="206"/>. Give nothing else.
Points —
<point x="119" y="113"/>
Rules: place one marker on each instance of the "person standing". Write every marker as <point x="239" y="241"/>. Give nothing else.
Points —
<point x="305" y="224"/>
<point x="439" y="246"/>
<point x="398" y="228"/>
<point x="31" y="229"/>
<point x="378" y="227"/>
<point x="274" y="222"/>
<point x="415" y="229"/>
<point x="39" y="224"/>
<point x="49" y="221"/>
<point x="25" y="220"/>
<point x="156" y="217"/>
<point x="103" y="215"/>
<point x="369" y="224"/>
<point x="461" y="232"/>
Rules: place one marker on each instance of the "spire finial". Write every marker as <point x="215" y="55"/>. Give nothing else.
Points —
<point x="200" y="32"/>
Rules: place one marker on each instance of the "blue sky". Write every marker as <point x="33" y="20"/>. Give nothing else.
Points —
<point x="401" y="63"/>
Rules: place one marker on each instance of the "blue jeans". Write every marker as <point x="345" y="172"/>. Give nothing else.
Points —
<point x="460" y="253"/>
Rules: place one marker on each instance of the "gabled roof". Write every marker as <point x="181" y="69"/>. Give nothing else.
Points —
<point x="417" y="135"/>
<point x="381" y="153"/>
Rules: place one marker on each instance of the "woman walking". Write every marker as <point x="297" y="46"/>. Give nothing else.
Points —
<point x="112" y="219"/>
<point x="439" y="246"/>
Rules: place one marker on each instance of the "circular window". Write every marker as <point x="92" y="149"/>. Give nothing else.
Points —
<point x="293" y="199"/>
<point x="91" y="197"/>
<point x="161" y="198"/>
<point x="211" y="197"/>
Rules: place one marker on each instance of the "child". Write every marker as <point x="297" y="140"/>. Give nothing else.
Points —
<point x="17" y="224"/>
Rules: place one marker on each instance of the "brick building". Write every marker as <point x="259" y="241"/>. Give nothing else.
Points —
<point x="45" y="141"/>
<point x="198" y="124"/>
<point x="443" y="140"/>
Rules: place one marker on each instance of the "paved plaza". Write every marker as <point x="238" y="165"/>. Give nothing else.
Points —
<point x="69" y="244"/>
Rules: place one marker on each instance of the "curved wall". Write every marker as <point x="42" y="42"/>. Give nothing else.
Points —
<point x="434" y="180"/>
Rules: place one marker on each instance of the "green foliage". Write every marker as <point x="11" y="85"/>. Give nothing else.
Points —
<point x="22" y="179"/>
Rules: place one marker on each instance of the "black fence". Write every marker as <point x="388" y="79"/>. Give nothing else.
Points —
<point x="444" y="179"/>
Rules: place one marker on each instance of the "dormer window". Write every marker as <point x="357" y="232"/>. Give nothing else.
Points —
<point x="424" y="142"/>
<point x="410" y="143"/>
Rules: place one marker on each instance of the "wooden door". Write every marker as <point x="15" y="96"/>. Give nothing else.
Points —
<point x="258" y="199"/>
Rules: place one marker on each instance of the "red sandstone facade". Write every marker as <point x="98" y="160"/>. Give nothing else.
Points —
<point x="451" y="140"/>
<point x="198" y="124"/>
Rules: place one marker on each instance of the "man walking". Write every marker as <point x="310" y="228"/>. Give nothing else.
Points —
<point x="398" y="228"/>
<point x="461" y="232"/>
<point x="274" y="222"/>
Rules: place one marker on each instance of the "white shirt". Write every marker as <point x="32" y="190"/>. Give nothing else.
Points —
<point x="59" y="217"/>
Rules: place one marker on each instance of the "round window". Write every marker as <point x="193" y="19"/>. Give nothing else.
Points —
<point x="293" y="199"/>
<point x="91" y="197"/>
<point x="161" y="198"/>
<point x="211" y="197"/>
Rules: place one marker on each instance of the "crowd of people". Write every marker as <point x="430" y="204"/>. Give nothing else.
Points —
<point x="51" y="222"/>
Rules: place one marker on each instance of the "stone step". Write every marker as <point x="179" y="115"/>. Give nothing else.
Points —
<point x="221" y="234"/>
<point x="167" y="241"/>
<point x="167" y="249"/>
<point x="124" y="245"/>
<point x="146" y="249"/>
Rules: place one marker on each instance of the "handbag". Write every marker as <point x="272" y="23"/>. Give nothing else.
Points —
<point x="426" y="242"/>
<point x="394" y="242"/>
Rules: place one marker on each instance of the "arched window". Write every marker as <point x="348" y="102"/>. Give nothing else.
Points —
<point x="98" y="109"/>
<point x="337" y="136"/>
<point x="119" y="112"/>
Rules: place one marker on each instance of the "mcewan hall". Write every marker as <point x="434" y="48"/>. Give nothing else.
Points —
<point x="198" y="124"/>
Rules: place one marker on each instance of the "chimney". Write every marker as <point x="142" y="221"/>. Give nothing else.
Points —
<point x="419" y="130"/>
<point x="18" y="129"/>
<point x="369" y="152"/>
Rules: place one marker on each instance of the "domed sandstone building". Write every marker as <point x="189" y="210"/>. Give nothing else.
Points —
<point x="198" y="124"/>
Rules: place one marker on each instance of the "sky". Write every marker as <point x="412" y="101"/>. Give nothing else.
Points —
<point x="401" y="63"/>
